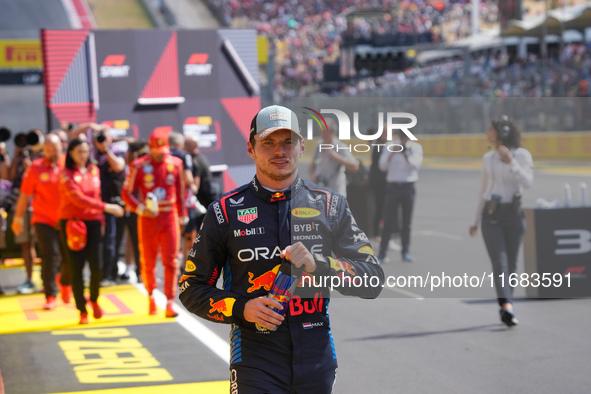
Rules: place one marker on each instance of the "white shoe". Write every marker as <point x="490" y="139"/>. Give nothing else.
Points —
<point x="394" y="246"/>
<point x="107" y="283"/>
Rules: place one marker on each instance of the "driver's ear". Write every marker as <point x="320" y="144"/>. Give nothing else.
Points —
<point x="250" y="149"/>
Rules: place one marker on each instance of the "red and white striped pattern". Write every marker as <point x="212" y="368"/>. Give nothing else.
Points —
<point x="79" y="14"/>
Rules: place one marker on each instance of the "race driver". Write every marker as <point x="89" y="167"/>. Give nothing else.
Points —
<point x="162" y="175"/>
<point x="244" y="237"/>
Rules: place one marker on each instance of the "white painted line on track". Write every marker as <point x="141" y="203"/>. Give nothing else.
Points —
<point x="406" y="293"/>
<point x="438" y="234"/>
<point x="190" y="323"/>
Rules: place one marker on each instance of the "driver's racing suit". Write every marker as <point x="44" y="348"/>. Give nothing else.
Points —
<point x="242" y="236"/>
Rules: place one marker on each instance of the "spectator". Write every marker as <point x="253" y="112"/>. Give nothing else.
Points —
<point x="40" y="182"/>
<point x="80" y="198"/>
<point x="111" y="167"/>
<point x="307" y="35"/>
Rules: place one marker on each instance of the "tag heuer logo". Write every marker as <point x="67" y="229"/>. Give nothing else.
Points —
<point x="247" y="215"/>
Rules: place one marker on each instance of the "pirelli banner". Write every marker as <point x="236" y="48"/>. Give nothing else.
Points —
<point x="203" y="83"/>
<point x="20" y="62"/>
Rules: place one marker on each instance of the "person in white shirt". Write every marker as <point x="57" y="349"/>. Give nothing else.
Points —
<point x="329" y="165"/>
<point x="402" y="171"/>
<point x="506" y="171"/>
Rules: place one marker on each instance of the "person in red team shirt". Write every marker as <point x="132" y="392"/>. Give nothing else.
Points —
<point x="161" y="174"/>
<point x="41" y="181"/>
<point x="80" y="198"/>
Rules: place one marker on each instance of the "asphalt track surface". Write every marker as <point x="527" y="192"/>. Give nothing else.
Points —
<point x="24" y="18"/>
<point x="406" y="342"/>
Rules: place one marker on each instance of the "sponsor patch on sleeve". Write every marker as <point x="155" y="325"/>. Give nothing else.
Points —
<point x="190" y="266"/>
<point x="223" y="306"/>
<point x="366" y="249"/>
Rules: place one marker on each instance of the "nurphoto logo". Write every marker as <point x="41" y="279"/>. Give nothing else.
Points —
<point x="392" y="123"/>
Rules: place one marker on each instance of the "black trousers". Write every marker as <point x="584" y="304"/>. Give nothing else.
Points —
<point x="379" y="196"/>
<point x="399" y="196"/>
<point x="77" y="260"/>
<point x="51" y="262"/>
<point x="503" y="234"/>
<point x="109" y="247"/>
<point x="129" y="220"/>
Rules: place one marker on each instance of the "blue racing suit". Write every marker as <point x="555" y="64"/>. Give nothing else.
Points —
<point x="241" y="238"/>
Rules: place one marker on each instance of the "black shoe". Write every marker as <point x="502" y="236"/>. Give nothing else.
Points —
<point x="1" y="291"/>
<point x="124" y="277"/>
<point x="508" y="317"/>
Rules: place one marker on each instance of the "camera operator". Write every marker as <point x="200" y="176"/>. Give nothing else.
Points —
<point x="111" y="169"/>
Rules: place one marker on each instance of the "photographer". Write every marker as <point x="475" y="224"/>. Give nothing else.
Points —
<point x="329" y="165"/>
<point x="111" y="169"/>
<point x="4" y="161"/>
<point x="27" y="148"/>
<point x="505" y="172"/>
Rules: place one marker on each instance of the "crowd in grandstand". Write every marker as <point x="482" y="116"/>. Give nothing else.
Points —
<point x="492" y="75"/>
<point x="307" y="35"/>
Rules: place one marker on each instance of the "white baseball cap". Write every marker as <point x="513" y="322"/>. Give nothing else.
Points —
<point x="273" y="118"/>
